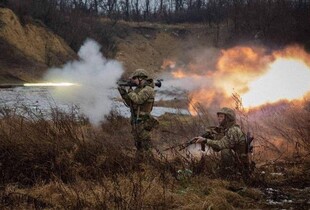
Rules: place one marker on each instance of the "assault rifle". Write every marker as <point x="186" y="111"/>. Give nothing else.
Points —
<point x="209" y="134"/>
<point x="183" y="145"/>
<point x="186" y="144"/>
<point x="129" y="83"/>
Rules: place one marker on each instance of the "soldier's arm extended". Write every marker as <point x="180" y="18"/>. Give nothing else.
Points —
<point x="142" y="96"/>
<point x="229" y="141"/>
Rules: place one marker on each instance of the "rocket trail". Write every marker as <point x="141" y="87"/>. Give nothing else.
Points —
<point x="48" y="84"/>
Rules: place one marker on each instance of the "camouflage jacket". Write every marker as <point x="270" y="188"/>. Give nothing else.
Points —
<point x="141" y="100"/>
<point x="232" y="138"/>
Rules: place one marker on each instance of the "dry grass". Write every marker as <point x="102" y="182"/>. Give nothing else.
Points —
<point x="282" y="132"/>
<point x="65" y="163"/>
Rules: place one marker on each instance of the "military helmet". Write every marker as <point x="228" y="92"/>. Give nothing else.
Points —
<point x="228" y="112"/>
<point x="140" y="73"/>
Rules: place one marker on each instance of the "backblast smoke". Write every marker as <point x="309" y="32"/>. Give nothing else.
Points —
<point x="95" y="76"/>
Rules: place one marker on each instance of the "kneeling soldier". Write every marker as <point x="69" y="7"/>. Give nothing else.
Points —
<point x="232" y="144"/>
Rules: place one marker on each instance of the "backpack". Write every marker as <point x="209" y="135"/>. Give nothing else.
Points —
<point x="249" y="142"/>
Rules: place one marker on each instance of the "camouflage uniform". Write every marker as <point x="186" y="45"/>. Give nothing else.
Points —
<point x="141" y="101"/>
<point x="231" y="141"/>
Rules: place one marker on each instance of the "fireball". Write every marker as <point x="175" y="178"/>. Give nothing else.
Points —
<point x="259" y="76"/>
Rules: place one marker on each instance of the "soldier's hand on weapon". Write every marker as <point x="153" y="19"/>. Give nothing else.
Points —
<point x="122" y="90"/>
<point x="130" y="89"/>
<point x="200" y="139"/>
<point x="188" y="143"/>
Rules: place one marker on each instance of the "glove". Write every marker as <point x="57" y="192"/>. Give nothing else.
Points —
<point x="122" y="90"/>
<point x="130" y="90"/>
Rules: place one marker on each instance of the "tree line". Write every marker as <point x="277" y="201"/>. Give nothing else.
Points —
<point x="281" y="21"/>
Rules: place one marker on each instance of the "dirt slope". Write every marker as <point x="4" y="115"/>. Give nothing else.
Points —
<point x="147" y="45"/>
<point x="26" y="50"/>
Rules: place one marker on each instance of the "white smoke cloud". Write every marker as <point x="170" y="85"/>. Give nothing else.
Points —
<point x="95" y="75"/>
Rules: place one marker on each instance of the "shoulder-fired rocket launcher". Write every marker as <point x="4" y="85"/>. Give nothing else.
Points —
<point x="129" y="83"/>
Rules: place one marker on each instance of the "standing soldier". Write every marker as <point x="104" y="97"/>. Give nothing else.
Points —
<point x="232" y="144"/>
<point x="141" y="100"/>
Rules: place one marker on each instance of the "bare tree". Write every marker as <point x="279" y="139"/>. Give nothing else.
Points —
<point x="147" y="9"/>
<point x="178" y="5"/>
<point x="136" y="9"/>
<point x="161" y="6"/>
<point x="127" y="8"/>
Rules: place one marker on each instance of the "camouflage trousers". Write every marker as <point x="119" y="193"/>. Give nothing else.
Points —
<point x="142" y="136"/>
<point x="231" y="164"/>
